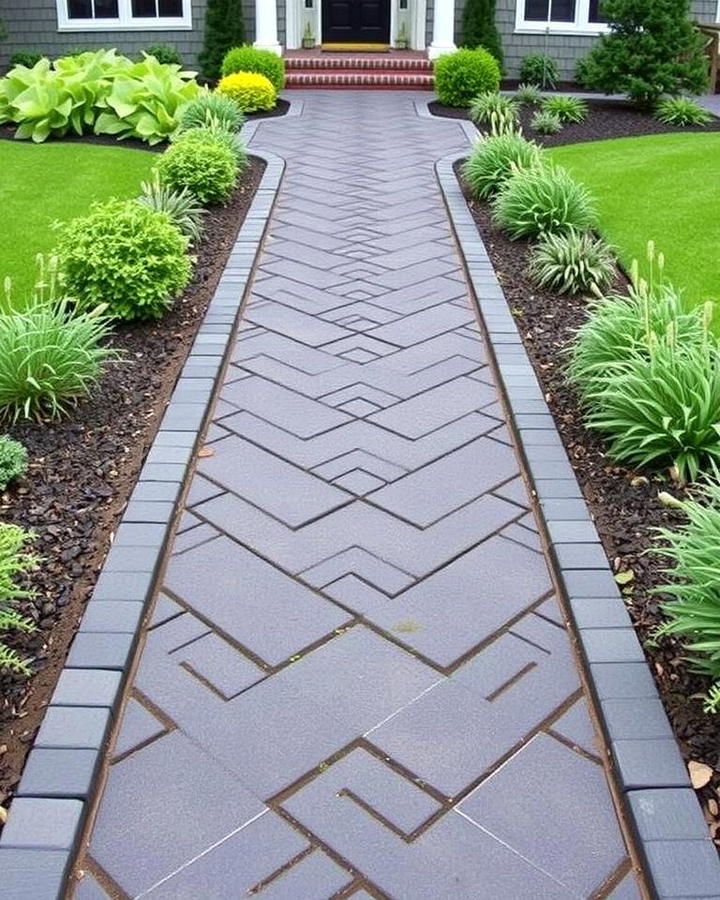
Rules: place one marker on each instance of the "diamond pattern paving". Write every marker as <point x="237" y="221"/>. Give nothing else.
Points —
<point x="357" y="681"/>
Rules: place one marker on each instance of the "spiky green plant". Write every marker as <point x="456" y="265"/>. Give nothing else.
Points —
<point x="541" y="200"/>
<point x="528" y="94"/>
<point x="567" y="109"/>
<point x="211" y="108"/>
<point x="488" y="103"/>
<point x="494" y="160"/>
<point x="681" y="111"/>
<point x="572" y="263"/>
<point x="15" y="563"/>
<point x="545" y="122"/>
<point x="181" y="206"/>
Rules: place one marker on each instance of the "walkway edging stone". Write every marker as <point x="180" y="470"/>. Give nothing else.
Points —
<point x="679" y="857"/>
<point x="62" y="772"/>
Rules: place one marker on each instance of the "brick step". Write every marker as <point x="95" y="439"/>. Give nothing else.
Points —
<point x="349" y="78"/>
<point x="371" y="61"/>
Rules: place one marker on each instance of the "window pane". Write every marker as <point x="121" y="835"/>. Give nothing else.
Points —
<point x="171" y="8"/>
<point x="80" y="9"/>
<point x="536" y="10"/>
<point x="595" y="13"/>
<point x="106" y="9"/>
<point x="144" y="9"/>
<point x="563" y="11"/>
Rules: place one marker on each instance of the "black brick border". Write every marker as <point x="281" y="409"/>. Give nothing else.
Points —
<point x="679" y="859"/>
<point x="57" y="788"/>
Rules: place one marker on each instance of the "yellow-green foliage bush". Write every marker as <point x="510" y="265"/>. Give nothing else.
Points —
<point x="250" y="90"/>
<point x="201" y="162"/>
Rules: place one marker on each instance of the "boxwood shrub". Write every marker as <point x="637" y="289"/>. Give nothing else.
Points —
<point x="252" y="59"/>
<point x="461" y="76"/>
<point x="203" y="164"/>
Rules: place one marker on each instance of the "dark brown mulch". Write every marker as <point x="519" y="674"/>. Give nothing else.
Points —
<point x="606" y="119"/>
<point x="82" y="471"/>
<point x="623" y="502"/>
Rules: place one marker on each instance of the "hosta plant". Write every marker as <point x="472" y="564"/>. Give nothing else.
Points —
<point x="126" y="256"/>
<point x="16" y="562"/>
<point x="528" y="94"/>
<point x="681" y="111"/>
<point x="662" y="408"/>
<point x="13" y="460"/>
<point x="546" y="122"/>
<point x="693" y="607"/>
<point x="494" y="160"/>
<point x="181" y="207"/>
<point x="205" y="166"/>
<point x="572" y="263"/>
<point x="541" y="200"/>
<point x="567" y="109"/>
<point x="212" y="109"/>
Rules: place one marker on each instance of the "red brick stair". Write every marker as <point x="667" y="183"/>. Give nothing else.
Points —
<point x="391" y="71"/>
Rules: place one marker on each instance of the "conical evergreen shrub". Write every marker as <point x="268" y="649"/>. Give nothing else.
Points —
<point x="224" y="29"/>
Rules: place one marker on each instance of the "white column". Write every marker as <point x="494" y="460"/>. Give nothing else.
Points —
<point x="266" y="36"/>
<point x="443" y="29"/>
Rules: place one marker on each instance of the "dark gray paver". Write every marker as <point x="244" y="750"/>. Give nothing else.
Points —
<point x="361" y="466"/>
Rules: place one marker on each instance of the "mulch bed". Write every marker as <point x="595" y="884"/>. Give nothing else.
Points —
<point x="623" y="502"/>
<point x="606" y="119"/>
<point x="82" y="471"/>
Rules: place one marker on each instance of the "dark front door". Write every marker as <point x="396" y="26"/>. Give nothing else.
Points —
<point x="356" y="21"/>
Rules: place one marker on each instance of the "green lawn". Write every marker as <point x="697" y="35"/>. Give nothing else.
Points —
<point x="665" y="187"/>
<point x="42" y="183"/>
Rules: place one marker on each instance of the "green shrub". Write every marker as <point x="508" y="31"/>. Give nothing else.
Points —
<point x="181" y="207"/>
<point x="681" y="111"/>
<point x="212" y="109"/>
<point x="479" y="28"/>
<point x="224" y="28"/>
<point x="214" y="134"/>
<point x="461" y="76"/>
<point x="651" y="49"/>
<point x="125" y="255"/>
<point x="493" y="161"/>
<point x="27" y="58"/>
<point x="619" y="326"/>
<point x="538" y="201"/>
<point x="572" y="263"/>
<point x="528" y="94"/>
<point x="693" y="612"/>
<point x="251" y="91"/>
<point x="567" y="109"/>
<point x="15" y="564"/>
<point x="13" y="460"/>
<point x="545" y="122"/>
<point x="492" y="103"/>
<point x="539" y="69"/>
<point x="662" y="408"/>
<point x="50" y="358"/>
<point x="252" y="59"/>
<point x="203" y="165"/>
<point x="164" y="53"/>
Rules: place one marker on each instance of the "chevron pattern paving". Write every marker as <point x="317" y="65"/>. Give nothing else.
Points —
<point x="356" y="680"/>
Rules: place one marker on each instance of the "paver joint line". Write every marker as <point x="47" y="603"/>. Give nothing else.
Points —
<point x="356" y="636"/>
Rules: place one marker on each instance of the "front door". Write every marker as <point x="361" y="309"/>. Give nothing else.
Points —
<point x="356" y="21"/>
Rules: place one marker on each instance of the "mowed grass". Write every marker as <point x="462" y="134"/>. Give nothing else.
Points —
<point x="44" y="183"/>
<point x="662" y="187"/>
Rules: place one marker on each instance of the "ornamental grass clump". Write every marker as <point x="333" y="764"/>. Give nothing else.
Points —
<point x="181" y="207"/>
<point x="13" y="460"/>
<point x="543" y="200"/>
<point x="528" y="94"/>
<point x="16" y="562"/>
<point x="494" y="160"/>
<point x="201" y="162"/>
<point x="545" y="122"/>
<point x="462" y="75"/>
<point x="210" y="109"/>
<point x="492" y="104"/>
<point x="126" y="256"/>
<point x="681" y="111"/>
<point x="693" y="610"/>
<point x="567" y="109"/>
<point x="572" y="263"/>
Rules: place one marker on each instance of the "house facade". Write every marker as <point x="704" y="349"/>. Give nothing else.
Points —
<point x="564" y="29"/>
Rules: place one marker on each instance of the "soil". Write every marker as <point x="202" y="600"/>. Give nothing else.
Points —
<point x="623" y="502"/>
<point x="82" y="471"/>
<point x="606" y="119"/>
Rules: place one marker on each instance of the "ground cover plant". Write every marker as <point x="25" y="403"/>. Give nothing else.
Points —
<point x="657" y="187"/>
<point x="64" y="184"/>
<point x="16" y="562"/>
<point x="13" y="460"/>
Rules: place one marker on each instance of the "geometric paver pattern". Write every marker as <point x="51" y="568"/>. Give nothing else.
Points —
<point x="356" y="679"/>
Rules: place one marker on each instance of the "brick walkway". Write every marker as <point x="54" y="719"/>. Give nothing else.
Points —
<point x="356" y="679"/>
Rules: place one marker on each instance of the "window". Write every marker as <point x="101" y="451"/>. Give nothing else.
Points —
<point x="560" y="16"/>
<point x="109" y="15"/>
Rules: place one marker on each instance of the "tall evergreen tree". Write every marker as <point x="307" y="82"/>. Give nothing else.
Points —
<point x="652" y="49"/>
<point x="224" y="29"/>
<point x="479" y="28"/>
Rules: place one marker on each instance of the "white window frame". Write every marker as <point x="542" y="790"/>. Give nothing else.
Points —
<point x="581" y="26"/>
<point x="125" y="20"/>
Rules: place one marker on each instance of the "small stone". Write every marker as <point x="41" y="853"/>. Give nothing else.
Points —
<point x="700" y="774"/>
